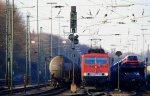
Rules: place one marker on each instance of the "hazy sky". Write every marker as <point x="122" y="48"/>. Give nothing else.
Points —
<point x="125" y="17"/>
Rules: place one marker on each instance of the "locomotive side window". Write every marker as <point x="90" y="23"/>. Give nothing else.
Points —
<point x="132" y="73"/>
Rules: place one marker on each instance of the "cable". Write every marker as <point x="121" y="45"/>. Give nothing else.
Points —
<point x="144" y="4"/>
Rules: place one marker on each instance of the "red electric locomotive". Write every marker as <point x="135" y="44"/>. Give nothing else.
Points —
<point x="131" y="60"/>
<point x="95" y="67"/>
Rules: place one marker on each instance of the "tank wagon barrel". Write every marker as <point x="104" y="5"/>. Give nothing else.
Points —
<point x="60" y="69"/>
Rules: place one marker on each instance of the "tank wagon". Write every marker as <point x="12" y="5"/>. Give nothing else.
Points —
<point x="130" y="72"/>
<point x="148" y="74"/>
<point x="61" y="71"/>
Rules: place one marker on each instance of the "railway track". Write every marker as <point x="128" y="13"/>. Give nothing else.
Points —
<point x="86" y="91"/>
<point x="93" y="91"/>
<point x="7" y="91"/>
<point x="132" y="91"/>
<point x="90" y="93"/>
<point x="53" y="91"/>
<point x="141" y="91"/>
<point x="43" y="91"/>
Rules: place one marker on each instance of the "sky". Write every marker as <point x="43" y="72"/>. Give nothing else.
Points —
<point x="129" y="18"/>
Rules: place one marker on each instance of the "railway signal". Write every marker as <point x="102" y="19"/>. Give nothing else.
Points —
<point x="73" y="19"/>
<point x="118" y="53"/>
<point x="74" y="38"/>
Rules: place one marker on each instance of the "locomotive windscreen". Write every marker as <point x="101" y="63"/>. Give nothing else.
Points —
<point x="95" y="60"/>
<point x="132" y="58"/>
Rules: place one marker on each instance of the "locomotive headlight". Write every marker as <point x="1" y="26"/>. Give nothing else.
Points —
<point x="106" y="74"/>
<point x="95" y="67"/>
<point x="85" y="74"/>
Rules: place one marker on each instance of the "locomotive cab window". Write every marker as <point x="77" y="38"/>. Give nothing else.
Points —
<point x="101" y="60"/>
<point x="132" y="58"/>
<point x="96" y="60"/>
<point x="89" y="60"/>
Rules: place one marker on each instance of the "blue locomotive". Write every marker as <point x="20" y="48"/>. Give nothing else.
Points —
<point x="129" y="72"/>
